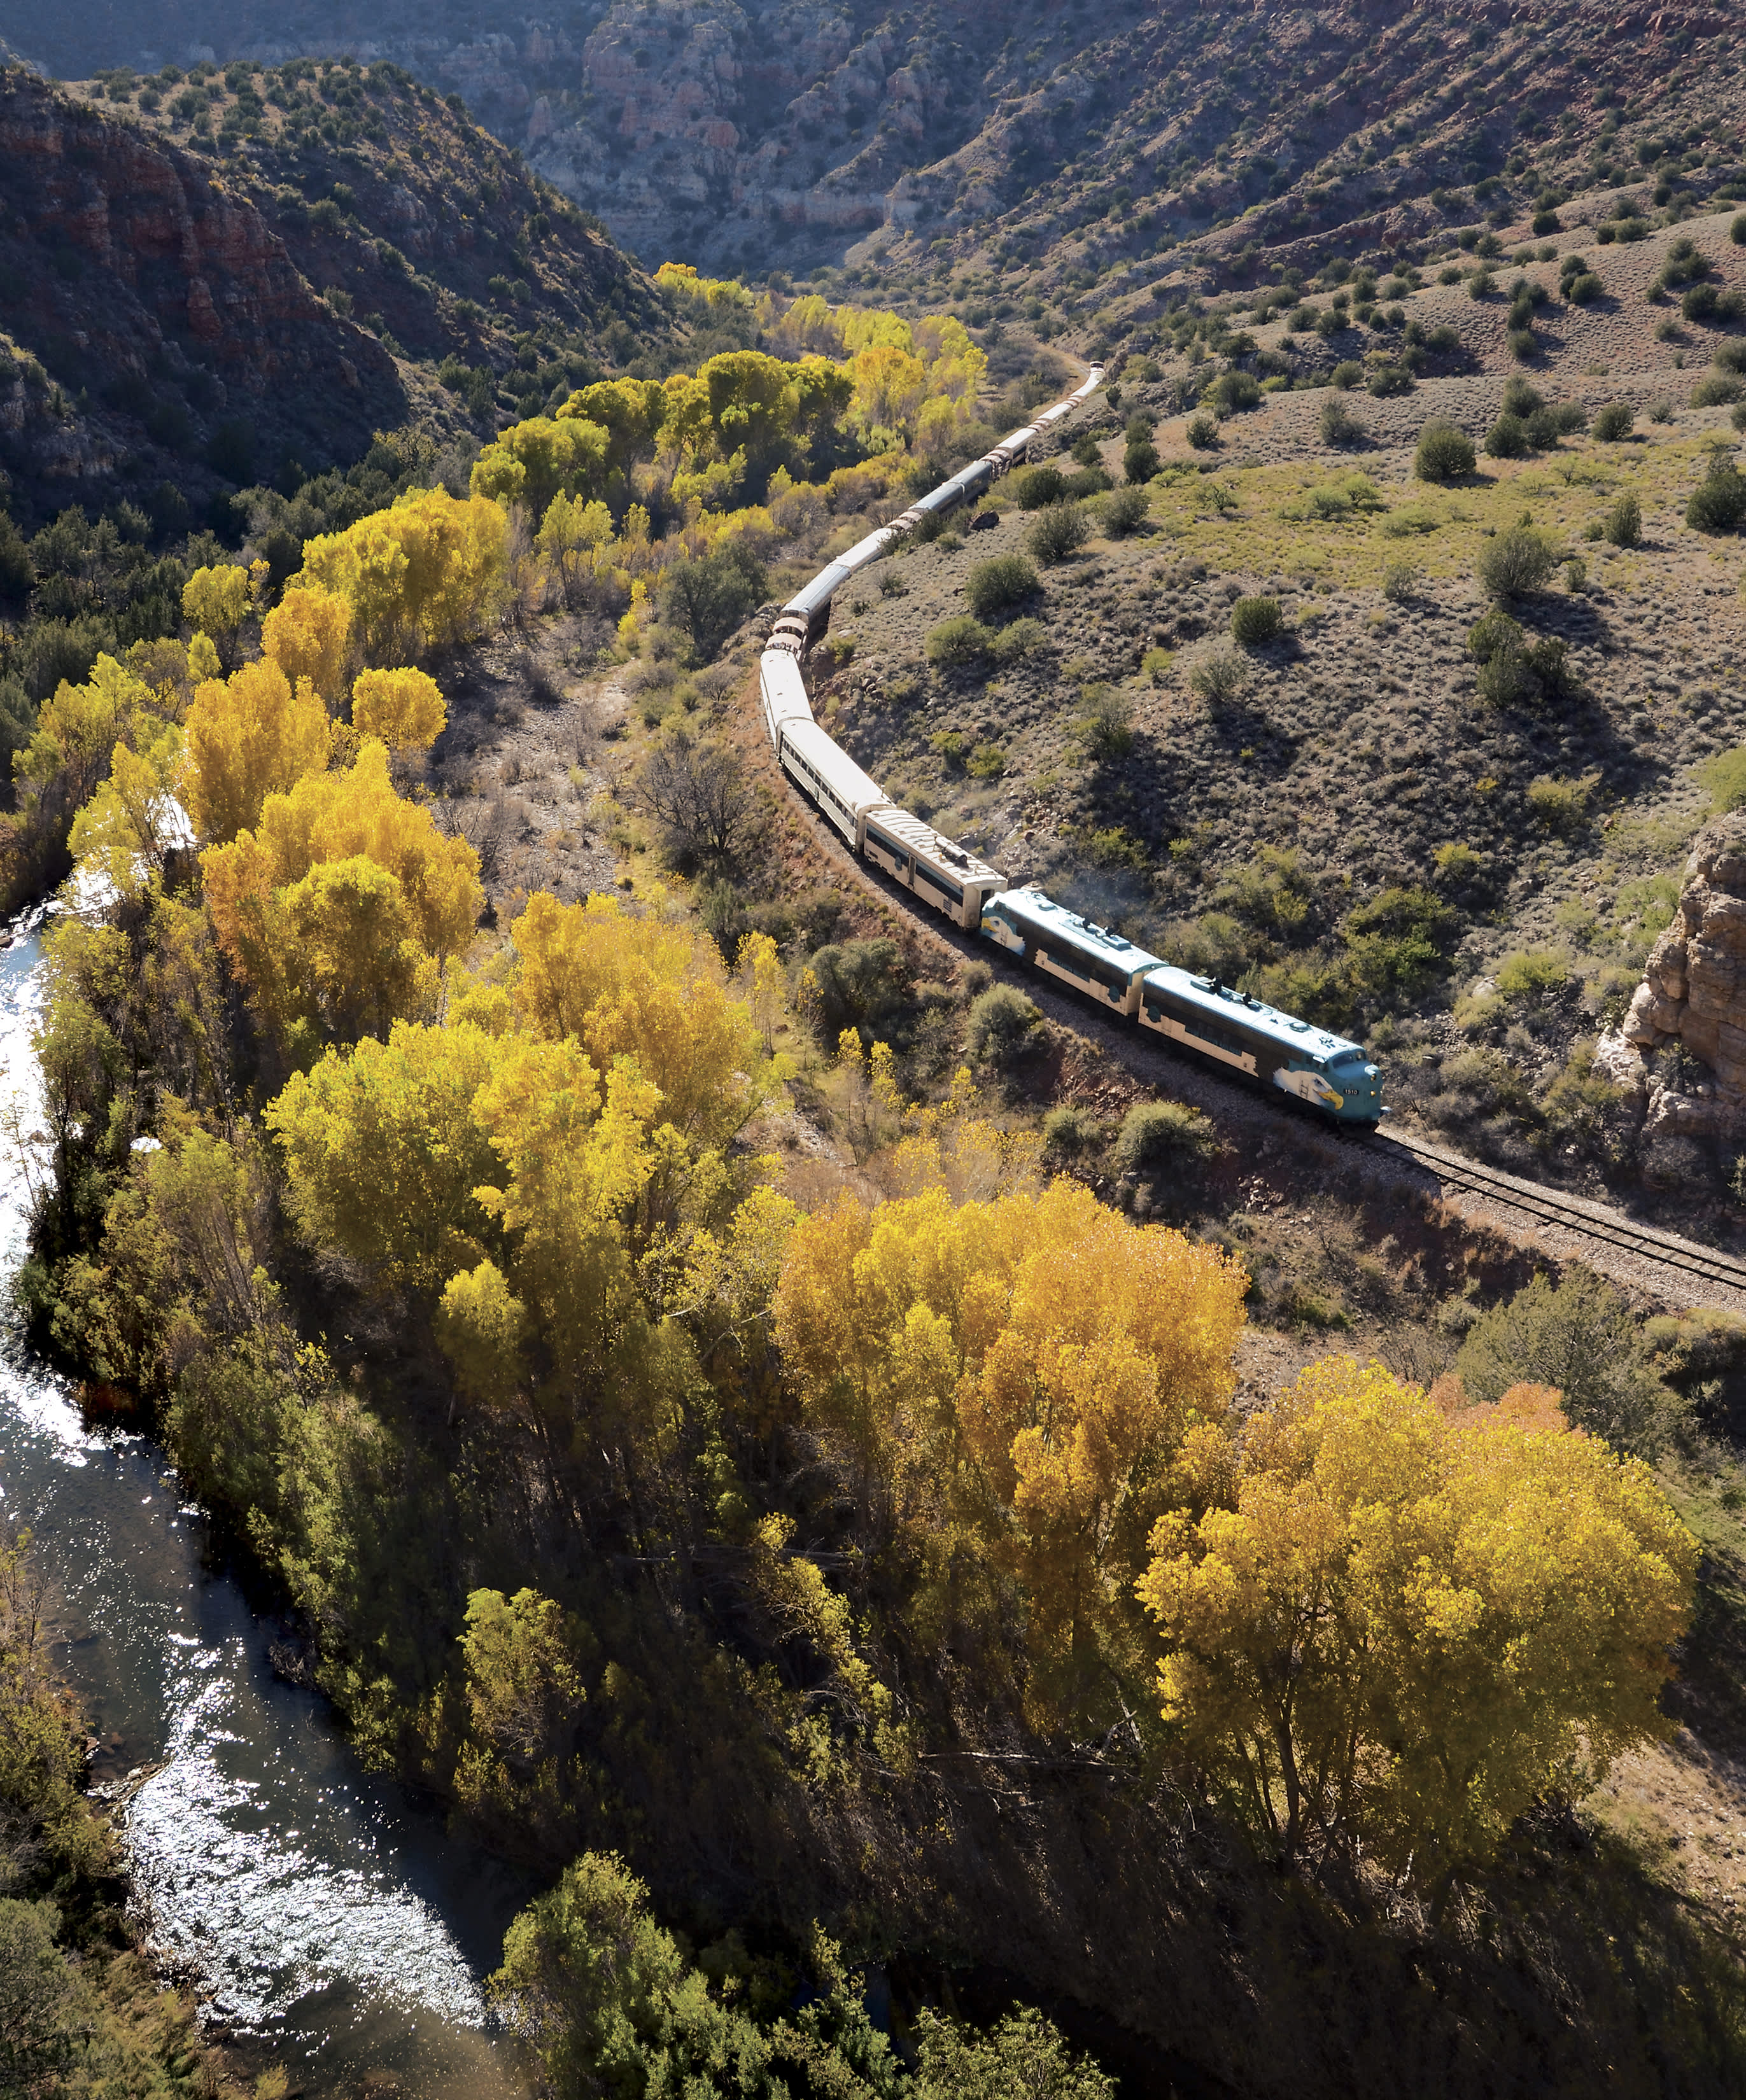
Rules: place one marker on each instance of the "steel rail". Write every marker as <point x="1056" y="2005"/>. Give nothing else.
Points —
<point x="1570" y="1213"/>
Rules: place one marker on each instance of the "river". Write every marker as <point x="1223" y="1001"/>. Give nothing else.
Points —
<point x="318" y="1908"/>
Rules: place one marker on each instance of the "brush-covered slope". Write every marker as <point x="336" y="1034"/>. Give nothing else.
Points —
<point x="1077" y="145"/>
<point x="250" y="294"/>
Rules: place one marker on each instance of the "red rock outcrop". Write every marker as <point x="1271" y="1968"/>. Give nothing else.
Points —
<point x="124" y="259"/>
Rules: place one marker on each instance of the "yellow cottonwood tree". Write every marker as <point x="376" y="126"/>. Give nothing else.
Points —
<point x="249" y="736"/>
<point x="571" y="541"/>
<point x="1036" y="1354"/>
<point x="1387" y="1626"/>
<point x="402" y="709"/>
<point x="575" y="1157"/>
<point x="532" y="462"/>
<point x="433" y="896"/>
<point x="216" y="602"/>
<point x="644" y="988"/>
<point x="308" y="635"/>
<point x="425" y="573"/>
<point x="383" y="1153"/>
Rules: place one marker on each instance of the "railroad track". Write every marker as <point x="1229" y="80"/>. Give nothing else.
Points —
<point x="1570" y="1212"/>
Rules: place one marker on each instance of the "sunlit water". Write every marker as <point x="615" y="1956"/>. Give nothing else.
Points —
<point x="315" y="1907"/>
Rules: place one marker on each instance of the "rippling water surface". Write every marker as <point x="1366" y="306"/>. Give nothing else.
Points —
<point x="324" y="1910"/>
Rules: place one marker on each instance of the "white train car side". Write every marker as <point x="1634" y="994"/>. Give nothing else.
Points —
<point x="829" y="778"/>
<point x="940" y="873"/>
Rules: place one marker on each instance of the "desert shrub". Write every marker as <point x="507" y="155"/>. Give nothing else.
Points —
<point x="1445" y="452"/>
<point x="993" y="587"/>
<point x="1124" y="510"/>
<point x="1395" y="942"/>
<point x="1018" y="639"/>
<point x="1731" y="355"/>
<point x="1068" y="1130"/>
<point x="1737" y="228"/>
<point x="1521" y="397"/>
<point x="1339" y="425"/>
<point x="1561" y="805"/>
<point x="1106" y="728"/>
<point x="1527" y="973"/>
<point x="1139" y="458"/>
<point x="1202" y="432"/>
<point x="1698" y="302"/>
<point x="1058" y="531"/>
<point x="1716" y="389"/>
<point x="1157" y="1134"/>
<point x="1004" y="1025"/>
<point x="1718" y="502"/>
<point x="1613" y="422"/>
<point x="1400" y="582"/>
<point x="1580" y="1337"/>
<point x="959" y="641"/>
<point x="1256" y="621"/>
<point x="1492" y="633"/>
<point x="1459" y="870"/>
<point x="1725" y="777"/>
<point x="1522" y="344"/>
<point x="1231" y="393"/>
<point x="1622" y="525"/>
<point x="860" y="984"/>
<point x="1583" y="289"/>
<point x="1507" y="438"/>
<point x="1388" y="379"/>
<point x="1032" y="487"/>
<point x="1516" y="563"/>
<point x="1219" y="677"/>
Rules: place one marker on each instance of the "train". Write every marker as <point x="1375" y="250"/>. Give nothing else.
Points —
<point x="1214" y="1021"/>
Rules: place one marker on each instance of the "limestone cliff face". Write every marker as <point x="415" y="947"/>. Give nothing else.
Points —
<point x="1693" y="998"/>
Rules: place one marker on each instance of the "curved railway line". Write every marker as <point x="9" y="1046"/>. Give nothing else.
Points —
<point x="1572" y="1214"/>
<point x="1220" y="1029"/>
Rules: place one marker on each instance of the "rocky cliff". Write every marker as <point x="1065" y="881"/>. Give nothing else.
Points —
<point x="163" y="309"/>
<point x="1095" y="142"/>
<point x="1683" y="1042"/>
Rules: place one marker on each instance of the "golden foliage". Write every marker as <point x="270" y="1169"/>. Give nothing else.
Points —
<point x="353" y="949"/>
<point x="1387" y="1621"/>
<point x="308" y="635"/>
<point x="647" y="989"/>
<point x="1036" y="1352"/>
<point x="428" y="572"/>
<point x="402" y="709"/>
<point x="249" y="736"/>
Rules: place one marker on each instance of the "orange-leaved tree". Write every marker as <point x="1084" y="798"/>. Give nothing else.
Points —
<point x="1385" y="1626"/>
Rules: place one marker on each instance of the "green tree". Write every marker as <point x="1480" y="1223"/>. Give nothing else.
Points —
<point x="1023" y="2058"/>
<point x="1580" y="1336"/>
<point x="707" y="596"/>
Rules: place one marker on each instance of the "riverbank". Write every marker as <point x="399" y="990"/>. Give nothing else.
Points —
<point x="320" y="1916"/>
